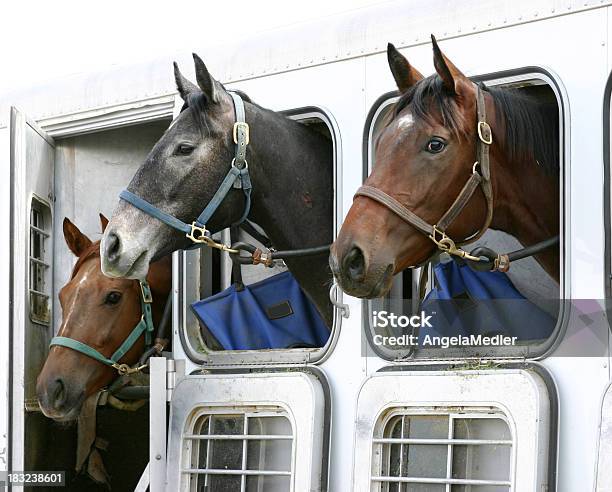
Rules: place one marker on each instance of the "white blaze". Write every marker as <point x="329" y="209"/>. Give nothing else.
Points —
<point x="405" y="122"/>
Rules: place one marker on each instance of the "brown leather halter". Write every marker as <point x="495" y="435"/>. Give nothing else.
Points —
<point x="437" y="232"/>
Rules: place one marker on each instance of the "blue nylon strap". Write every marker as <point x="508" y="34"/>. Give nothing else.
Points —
<point x="218" y="197"/>
<point x="129" y="342"/>
<point x="237" y="177"/>
<point x="153" y="211"/>
<point x="240" y="132"/>
<point x="81" y="347"/>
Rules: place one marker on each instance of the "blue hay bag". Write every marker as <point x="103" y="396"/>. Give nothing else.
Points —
<point x="270" y="314"/>
<point x="468" y="302"/>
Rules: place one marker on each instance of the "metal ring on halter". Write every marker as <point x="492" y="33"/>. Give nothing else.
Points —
<point x="485" y="129"/>
<point x="245" y="126"/>
<point x="201" y="237"/>
<point x="246" y="164"/>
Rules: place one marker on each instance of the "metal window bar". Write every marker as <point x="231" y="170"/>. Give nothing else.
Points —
<point x="198" y="440"/>
<point x="39" y="299"/>
<point x="39" y="231"/>
<point x="385" y="443"/>
<point x="238" y="437"/>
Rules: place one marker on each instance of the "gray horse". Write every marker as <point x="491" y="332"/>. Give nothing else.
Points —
<point x="291" y="168"/>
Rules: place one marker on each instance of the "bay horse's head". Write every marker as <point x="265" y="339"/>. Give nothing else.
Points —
<point x="100" y="312"/>
<point x="423" y="157"/>
<point x="179" y="176"/>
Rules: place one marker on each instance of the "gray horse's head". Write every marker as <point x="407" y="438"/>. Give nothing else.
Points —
<point x="179" y="176"/>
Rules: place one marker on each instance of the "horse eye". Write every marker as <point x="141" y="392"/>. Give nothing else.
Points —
<point x="184" y="149"/>
<point x="435" y="146"/>
<point x="112" y="297"/>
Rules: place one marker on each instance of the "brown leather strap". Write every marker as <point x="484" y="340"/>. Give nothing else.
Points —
<point x="396" y="207"/>
<point x="485" y="139"/>
<point x="460" y="202"/>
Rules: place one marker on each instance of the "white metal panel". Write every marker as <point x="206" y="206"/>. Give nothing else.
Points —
<point x="520" y="395"/>
<point x="156" y="468"/>
<point x="603" y="474"/>
<point x="298" y="393"/>
<point x="32" y="157"/>
<point x="5" y="234"/>
<point x="114" y="93"/>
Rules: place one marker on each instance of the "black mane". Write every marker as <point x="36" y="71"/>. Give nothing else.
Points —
<point x="531" y="127"/>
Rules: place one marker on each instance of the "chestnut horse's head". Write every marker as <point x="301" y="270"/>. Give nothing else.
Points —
<point x="424" y="156"/>
<point x="100" y="312"/>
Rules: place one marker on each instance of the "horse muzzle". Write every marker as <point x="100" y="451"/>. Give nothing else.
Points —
<point x="123" y="256"/>
<point x="57" y="400"/>
<point x="356" y="272"/>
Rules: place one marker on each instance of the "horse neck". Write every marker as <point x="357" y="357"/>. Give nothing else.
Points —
<point x="526" y="205"/>
<point x="291" y="168"/>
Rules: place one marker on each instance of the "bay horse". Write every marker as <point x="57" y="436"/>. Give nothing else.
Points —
<point x="291" y="173"/>
<point x="99" y="312"/>
<point x="424" y="158"/>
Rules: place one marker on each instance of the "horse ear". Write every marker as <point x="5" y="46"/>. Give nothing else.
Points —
<point x="182" y="84"/>
<point x="75" y="239"/>
<point x="451" y="76"/>
<point x="207" y="84"/>
<point x="103" y="222"/>
<point x="405" y="75"/>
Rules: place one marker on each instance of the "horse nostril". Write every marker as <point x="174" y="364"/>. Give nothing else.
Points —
<point x="58" y="393"/>
<point x="354" y="264"/>
<point x="112" y="246"/>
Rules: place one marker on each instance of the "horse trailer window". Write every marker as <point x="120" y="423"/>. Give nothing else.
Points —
<point x="442" y="451"/>
<point x="256" y="431"/>
<point x="251" y="451"/>
<point x="441" y="430"/>
<point x="530" y="285"/>
<point x="39" y="258"/>
<point x="208" y="272"/>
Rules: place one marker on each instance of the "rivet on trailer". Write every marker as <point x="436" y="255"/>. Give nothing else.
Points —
<point x="349" y="414"/>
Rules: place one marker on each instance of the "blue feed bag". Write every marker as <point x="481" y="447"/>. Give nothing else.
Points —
<point x="271" y="314"/>
<point x="468" y="302"/>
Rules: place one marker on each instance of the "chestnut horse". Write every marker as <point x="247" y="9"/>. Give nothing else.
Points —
<point x="100" y="312"/>
<point x="424" y="157"/>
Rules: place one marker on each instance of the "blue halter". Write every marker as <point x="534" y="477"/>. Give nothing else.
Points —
<point x="237" y="177"/>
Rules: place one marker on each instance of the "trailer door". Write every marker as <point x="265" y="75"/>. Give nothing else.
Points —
<point x="31" y="252"/>
<point x="260" y="432"/>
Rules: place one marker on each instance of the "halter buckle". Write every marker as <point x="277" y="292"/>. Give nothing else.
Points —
<point x="197" y="234"/>
<point x="244" y="126"/>
<point x="124" y="369"/>
<point x="145" y="291"/>
<point x="484" y="133"/>
<point x="447" y="245"/>
<point x="443" y="242"/>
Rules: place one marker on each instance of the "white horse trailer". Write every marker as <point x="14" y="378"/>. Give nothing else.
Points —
<point x="346" y="416"/>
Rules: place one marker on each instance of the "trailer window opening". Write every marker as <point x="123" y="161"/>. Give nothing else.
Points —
<point x="537" y="289"/>
<point x="39" y="262"/>
<point x="208" y="272"/>
<point x="435" y="451"/>
<point x="250" y="450"/>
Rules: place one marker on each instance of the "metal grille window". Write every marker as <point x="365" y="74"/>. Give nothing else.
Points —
<point x="450" y="452"/>
<point x="240" y="451"/>
<point x="39" y="285"/>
